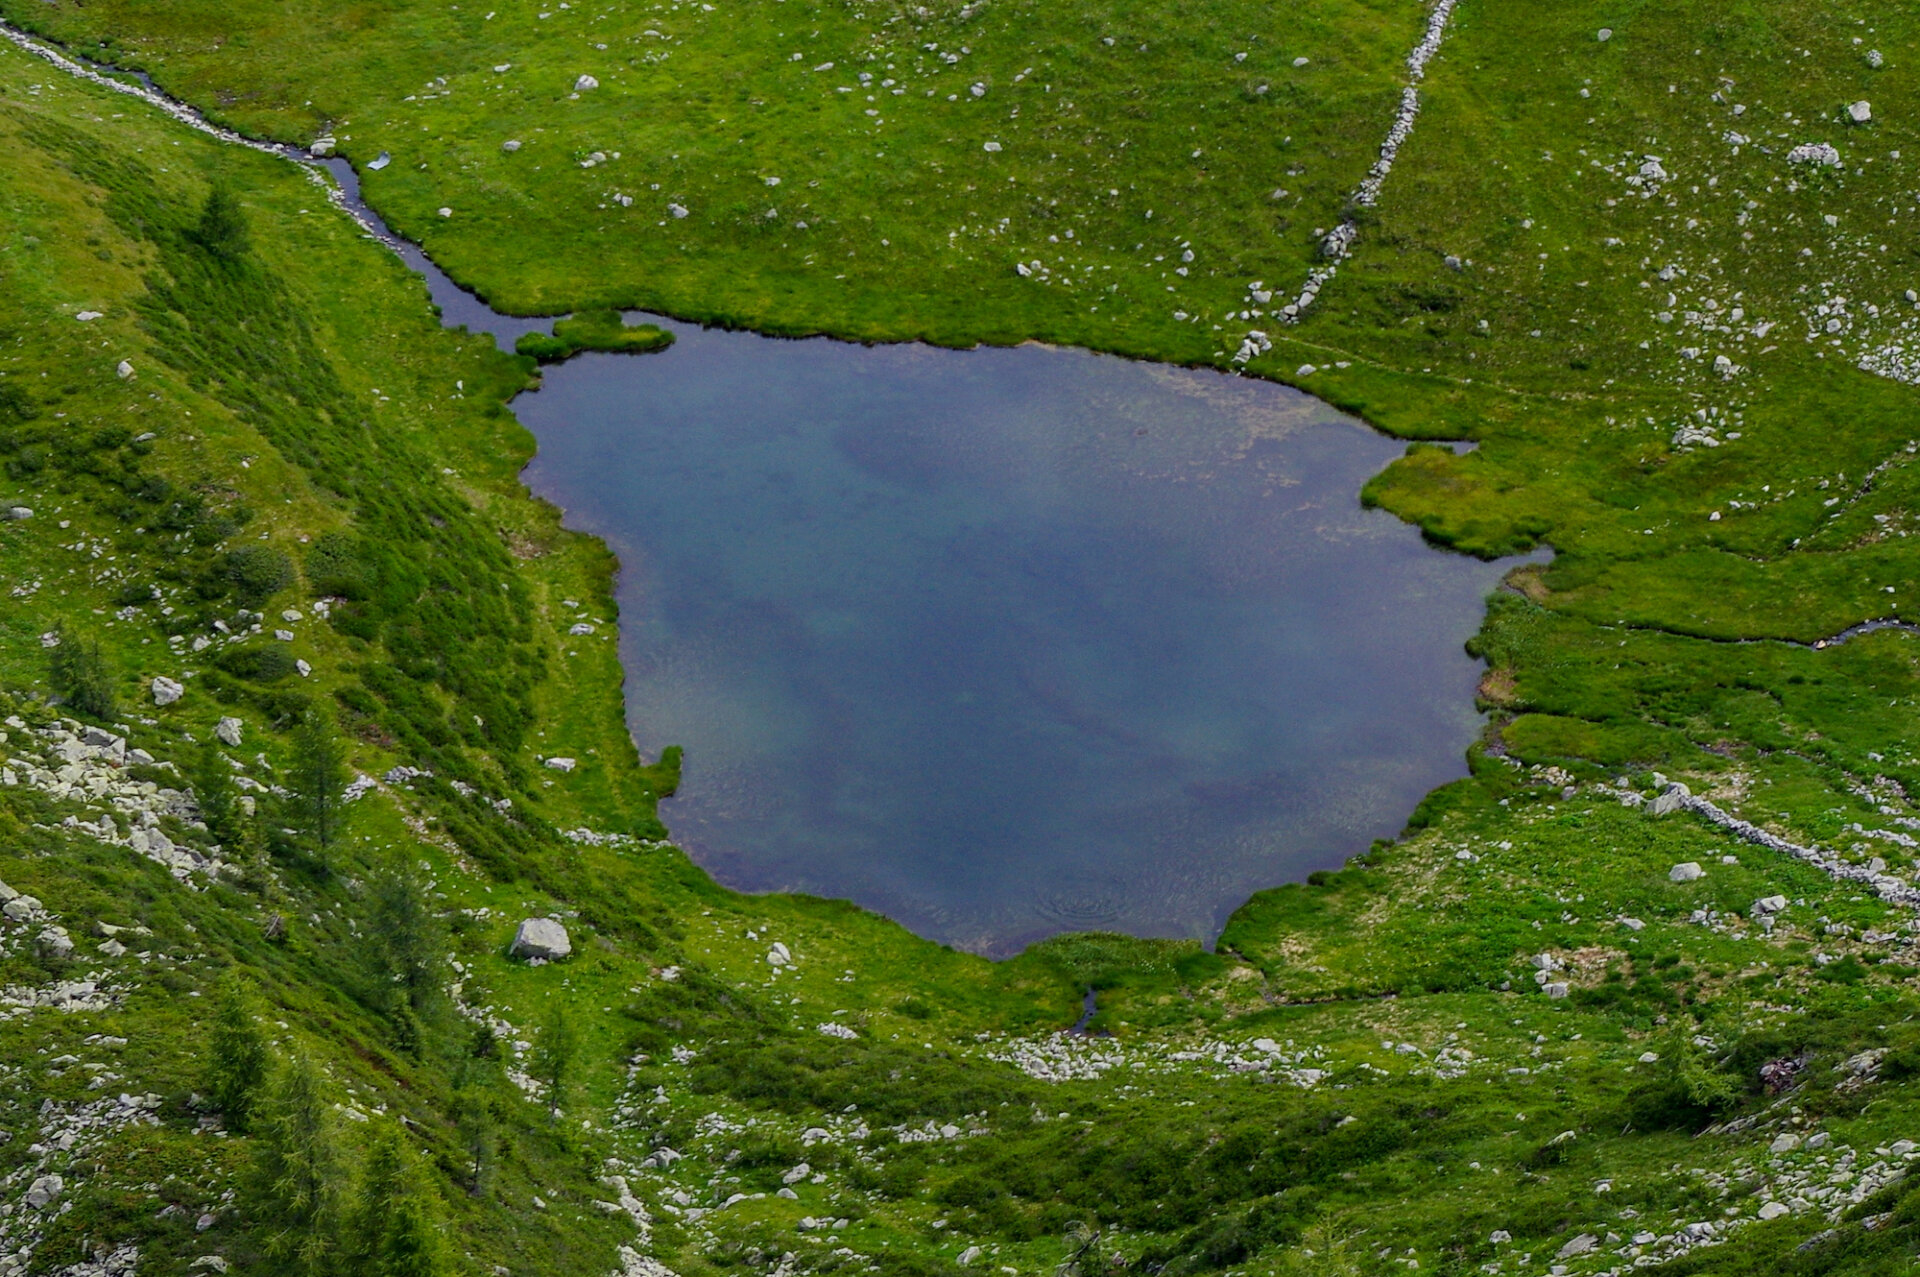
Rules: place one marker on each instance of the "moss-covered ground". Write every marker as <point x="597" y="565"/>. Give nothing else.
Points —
<point x="1679" y="352"/>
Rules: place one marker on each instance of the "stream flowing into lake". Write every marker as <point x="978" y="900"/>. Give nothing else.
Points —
<point x="1004" y="642"/>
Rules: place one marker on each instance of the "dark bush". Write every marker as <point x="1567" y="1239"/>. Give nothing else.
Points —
<point x="338" y="565"/>
<point x="257" y="662"/>
<point x="256" y="573"/>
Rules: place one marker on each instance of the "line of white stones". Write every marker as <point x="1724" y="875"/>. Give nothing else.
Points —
<point x="1886" y="886"/>
<point x="1338" y="243"/>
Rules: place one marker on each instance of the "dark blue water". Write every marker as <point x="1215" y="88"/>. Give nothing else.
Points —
<point x="1008" y="642"/>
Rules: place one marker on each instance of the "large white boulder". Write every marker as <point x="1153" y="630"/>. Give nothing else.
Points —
<point x="541" y="938"/>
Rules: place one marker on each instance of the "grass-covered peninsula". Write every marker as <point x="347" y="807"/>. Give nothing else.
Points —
<point x="309" y="706"/>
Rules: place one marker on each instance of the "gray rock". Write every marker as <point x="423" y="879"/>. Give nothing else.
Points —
<point x="1860" y="112"/>
<point x="1769" y="904"/>
<point x="561" y="764"/>
<point x="1578" y="1246"/>
<point x="380" y="161"/>
<point x="541" y="938"/>
<point x="21" y="908"/>
<point x="511" y="145"/>
<point x="54" y="942"/>
<point x="969" y="1256"/>
<point x="227" y="731"/>
<point x="44" y="1191"/>
<point x="19" y="513"/>
<point x="123" y="370"/>
<point x="584" y="83"/>
<point x="1687" y="871"/>
<point x="1671" y="799"/>
<point x="1821" y="153"/>
<point x="1556" y="989"/>
<point x="166" y="691"/>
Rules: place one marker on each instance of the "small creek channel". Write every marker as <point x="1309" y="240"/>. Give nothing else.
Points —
<point x="1002" y="642"/>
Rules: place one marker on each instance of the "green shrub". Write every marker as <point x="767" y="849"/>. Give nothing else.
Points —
<point x="257" y="662"/>
<point x="548" y="350"/>
<point x="338" y="565"/>
<point x="255" y="573"/>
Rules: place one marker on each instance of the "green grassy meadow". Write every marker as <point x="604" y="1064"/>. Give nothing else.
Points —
<point x="1367" y="1074"/>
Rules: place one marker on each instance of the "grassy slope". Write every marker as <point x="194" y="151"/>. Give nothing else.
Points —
<point x="1410" y="947"/>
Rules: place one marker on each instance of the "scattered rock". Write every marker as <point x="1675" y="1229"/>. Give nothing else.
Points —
<point x="1821" y="153"/>
<point x="585" y="83"/>
<point x="1557" y="989"/>
<point x="1860" y="112"/>
<point x="19" y="513"/>
<point x="541" y="938"/>
<point x="380" y="161"/>
<point x="1784" y="1143"/>
<point x="1686" y="871"/>
<point x="1773" y="1210"/>
<point x="1671" y="799"/>
<point x="44" y="1191"/>
<point x="969" y="1256"/>
<point x="227" y="731"/>
<point x="1499" y="1237"/>
<point x="561" y="764"/>
<point x="511" y="145"/>
<point x="1769" y="904"/>
<point x="166" y="691"/>
<point x="123" y="370"/>
<point x="1605" y="34"/>
<point x="1578" y="1246"/>
<point x="797" y="1174"/>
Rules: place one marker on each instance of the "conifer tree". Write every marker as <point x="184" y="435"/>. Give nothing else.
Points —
<point x="555" y="1056"/>
<point x="237" y="1055"/>
<point x="318" y="777"/>
<point x="222" y="229"/>
<point x="80" y="675"/>
<point x="214" y="791"/>
<point x="410" y="945"/>
<point x="394" y="1233"/>
<point x="299" y="1172"/>
<point x="479" y="1132"/>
